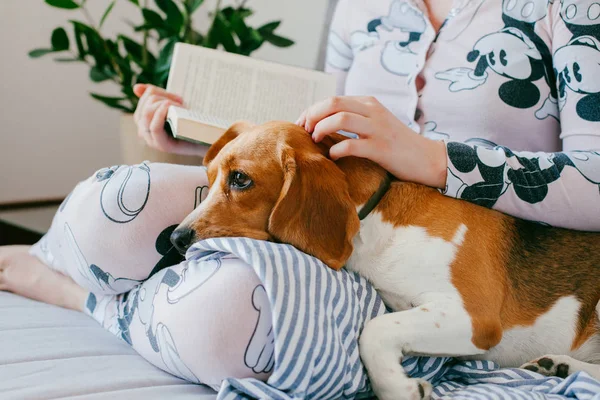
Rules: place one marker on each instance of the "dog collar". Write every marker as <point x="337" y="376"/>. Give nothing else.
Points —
<point x="376" y="198"/>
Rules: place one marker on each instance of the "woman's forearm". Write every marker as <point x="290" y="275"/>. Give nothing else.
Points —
<point x="561" y="189"/>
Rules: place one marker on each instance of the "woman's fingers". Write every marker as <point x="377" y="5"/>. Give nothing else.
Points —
<point x="157" y="125"/>
<point x="342" y="121"/>
<point x="139" y="89"/>
<point x="155" y="90"/>
<point x="151" y="94"/>
<point x="364" y="148"/>
<point x="149" y="128"/>
<point x="148" y="113"/>
<point x="356" y="105"/>
<point x="302" y="119"/>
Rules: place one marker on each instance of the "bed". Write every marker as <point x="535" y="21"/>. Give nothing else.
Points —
<point x="47" y="352"/>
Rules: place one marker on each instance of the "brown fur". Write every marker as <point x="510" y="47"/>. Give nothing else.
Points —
<point x="299" y="196"/>
<point x="508" y="271"/>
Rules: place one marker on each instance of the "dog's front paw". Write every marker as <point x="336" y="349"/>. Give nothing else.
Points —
<point x="551" y="365"/>
<point x="403" y="389"/>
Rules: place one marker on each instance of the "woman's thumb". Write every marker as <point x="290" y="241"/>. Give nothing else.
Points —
<point x="139" y="89"/>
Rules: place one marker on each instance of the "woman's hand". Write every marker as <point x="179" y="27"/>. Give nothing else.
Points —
<point x="150" y="116"/>
<point x="383" y="138"/>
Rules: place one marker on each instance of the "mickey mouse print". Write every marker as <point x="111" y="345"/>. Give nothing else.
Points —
<point x="511" y="86"/>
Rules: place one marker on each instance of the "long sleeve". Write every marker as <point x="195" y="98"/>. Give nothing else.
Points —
<point x="339" y="53"/>
<point x="561" y="189"/>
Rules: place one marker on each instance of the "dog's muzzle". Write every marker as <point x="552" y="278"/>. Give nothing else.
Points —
<point x="182" y="239"/>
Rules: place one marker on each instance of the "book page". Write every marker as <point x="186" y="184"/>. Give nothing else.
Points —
<point x="177" y="113"/>
<point x="230" y="87"/>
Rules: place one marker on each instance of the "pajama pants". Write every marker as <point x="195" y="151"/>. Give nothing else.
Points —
<point x="198" y="320"/>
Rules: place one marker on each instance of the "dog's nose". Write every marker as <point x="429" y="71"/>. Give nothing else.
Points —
<point x="182" y="239"/>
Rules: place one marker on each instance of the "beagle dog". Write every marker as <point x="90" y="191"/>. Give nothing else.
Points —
<point x="463" y="280"/>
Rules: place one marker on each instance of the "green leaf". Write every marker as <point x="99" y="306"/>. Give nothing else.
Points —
<point x="113" y="102"/>
<point x="252" y="42"/>
<point x="270" y="27"/>
<point x="241" y="12"/>
<point x="136" y="52"/>
<point x="276" y="40"/>
<point x="174" y="16"/>
<point x="67" y="4"/>
<point x="128" y="91"/>
<point x="239" y="26"/>
<point x="163" y="5"/>
<point x="136" y="2"/>
<point x="98" y="75"/>
<point x="106" y="13"/>
<point x="40" y="52"/>
<point x="244" y="12"/>
<point x="223" y="34"/>
<point x="152" y="18"/>
<point x="228" y="12"/>
<point x="143" y="27"/>
<point x="96" y="45"/>
<point x="163" y="64"/>
<point x="193" y="5"/>
<point x="60" y="40"/>
<point x="79" y="36"/>
<point x="66" y="59"/>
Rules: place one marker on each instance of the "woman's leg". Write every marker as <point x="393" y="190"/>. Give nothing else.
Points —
<point x="201" y="321"/>
<point x="25" y="275"/>
<point x="113" y="230"/>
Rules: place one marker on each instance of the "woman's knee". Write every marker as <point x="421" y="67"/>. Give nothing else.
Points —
<point x="212" y="317"/>
<point x="114" y="228"/>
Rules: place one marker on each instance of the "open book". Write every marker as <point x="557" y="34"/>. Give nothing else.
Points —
<point x="221" y="88"/>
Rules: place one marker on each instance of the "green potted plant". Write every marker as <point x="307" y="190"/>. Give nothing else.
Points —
<point x="146" y="56"/>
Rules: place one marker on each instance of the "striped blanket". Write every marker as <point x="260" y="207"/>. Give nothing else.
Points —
<point x="318" y="314"/>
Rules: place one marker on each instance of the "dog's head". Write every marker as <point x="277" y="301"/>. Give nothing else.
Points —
<point x="271" y="182"/>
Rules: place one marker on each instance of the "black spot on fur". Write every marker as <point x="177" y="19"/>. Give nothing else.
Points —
<point x="532" y="368"/>
<point x="546" y="363"/>
<point x="421" y="391"/>
<point x="562" y="371"/>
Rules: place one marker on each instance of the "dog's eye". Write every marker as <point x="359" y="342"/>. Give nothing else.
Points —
<point x="239" y="180"/>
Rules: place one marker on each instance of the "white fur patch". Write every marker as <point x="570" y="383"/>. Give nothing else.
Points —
<point x="552" y="333"/>
<point x="400" y="262"/>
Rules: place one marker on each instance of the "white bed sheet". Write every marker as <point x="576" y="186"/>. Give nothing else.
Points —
<point x="48" y="352"/>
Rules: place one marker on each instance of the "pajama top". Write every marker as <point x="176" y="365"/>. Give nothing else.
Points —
<point x="512" y="87"/>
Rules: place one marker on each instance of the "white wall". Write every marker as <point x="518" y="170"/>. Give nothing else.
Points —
<point x="52" y="134"/>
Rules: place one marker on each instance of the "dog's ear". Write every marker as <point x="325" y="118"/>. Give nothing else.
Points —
<point x="234" y="131"/>
<point x="314" y="211"/>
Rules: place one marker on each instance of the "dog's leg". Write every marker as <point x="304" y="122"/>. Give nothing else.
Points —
<point x="436" y="329"/>
<point x="561" y="366"/>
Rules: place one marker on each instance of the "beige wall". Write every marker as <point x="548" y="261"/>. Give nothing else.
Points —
<point x="52" y="134"/>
